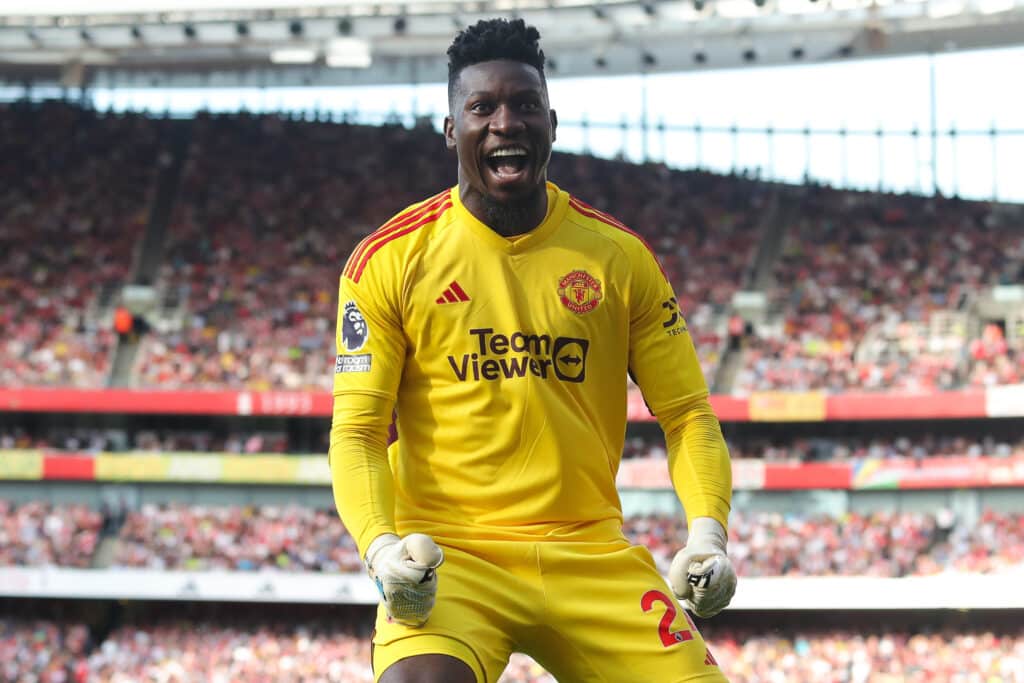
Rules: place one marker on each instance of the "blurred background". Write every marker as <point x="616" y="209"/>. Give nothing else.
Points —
<point x="834" y="187"/>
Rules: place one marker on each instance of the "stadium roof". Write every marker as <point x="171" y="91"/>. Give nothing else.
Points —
<point x="296" y="42"/>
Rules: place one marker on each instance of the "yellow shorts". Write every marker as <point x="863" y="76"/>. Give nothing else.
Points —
<point x="588" y="612"/>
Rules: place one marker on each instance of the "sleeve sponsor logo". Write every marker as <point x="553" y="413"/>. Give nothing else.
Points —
<point x="500" y="356"/>
<point x="673" y="322"/>
<point x="354" y="330"/>
<point x="357" y="363"/>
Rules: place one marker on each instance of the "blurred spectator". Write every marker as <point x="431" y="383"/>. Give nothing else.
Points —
<point x="880" y="544"/>
<point x="649" y="444"/>
<point x="223" y="654"/>
<point x="92" y="440"/>
<point x="249" y="276"/>
<point x="239" y="538"/>
<point x="303" y="539"/>
<point x="124" y="322"/>
<point x="38" y="651"/>
<point x="994" y="360"/>
<point x="860" y="262"/>
<point x="256" y="262"/>
<point x="283" y="652"/>
<point x="873" y="657"/>
<point x="74" y="191"/>
<point x="39" y="534"/>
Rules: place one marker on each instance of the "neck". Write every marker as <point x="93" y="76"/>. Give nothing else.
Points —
<point x="507" y="218"/>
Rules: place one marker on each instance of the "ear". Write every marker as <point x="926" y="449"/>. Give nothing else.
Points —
<point x="554" y="124"/>
<point x="449" y="132"/>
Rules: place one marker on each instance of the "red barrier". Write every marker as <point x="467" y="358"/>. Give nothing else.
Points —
<point x="938" y="405"/>
<point x="69" y="466"/>
<point x="731" y="408"/>
<point x="853" y="406"/>
<point x="120" y="401"/>
<point x="812" y="475"/>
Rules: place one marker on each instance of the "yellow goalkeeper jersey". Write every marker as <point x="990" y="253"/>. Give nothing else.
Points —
<point x="507" y="363"/>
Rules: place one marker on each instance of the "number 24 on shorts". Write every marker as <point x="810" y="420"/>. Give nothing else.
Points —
<point x="668" y="636"/>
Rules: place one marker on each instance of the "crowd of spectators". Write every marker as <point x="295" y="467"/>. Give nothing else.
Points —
<point x="42" y="651"/>
<point x="74" y="191"/>
<point x="819" y="448"/>
<point x="844" y="449"/>
<point x="786" y="447"/>
<point x="156" y="441"/>
<point x="269" y="210"/>
<point x="995" y="360"/>
<point x="882" y="544"/>
<point x="871" y="656"/>
<point x="40" y="534"/>
<point x="877" y="544"/>
<point x="191" y="652"/>
<point x="268" y="213"/>
<point x="256" y="262"/>
<point x="199" y="653"/>
<point x="856" y="261"/>
<point x="297" y="539"/>
<point x="288" y="538"/>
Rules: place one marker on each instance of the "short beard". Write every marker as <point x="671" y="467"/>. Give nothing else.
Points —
<point x="510" y="218"/>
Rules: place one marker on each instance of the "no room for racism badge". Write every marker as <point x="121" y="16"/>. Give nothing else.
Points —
<point x="580" y="292"/>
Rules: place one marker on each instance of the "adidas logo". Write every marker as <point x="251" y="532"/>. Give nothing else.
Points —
<point x="453" y="294"/>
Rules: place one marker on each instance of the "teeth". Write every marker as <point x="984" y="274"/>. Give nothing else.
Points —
<point x="507" y="152"/>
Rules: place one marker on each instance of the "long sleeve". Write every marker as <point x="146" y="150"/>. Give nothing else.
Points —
<point x="367" y="372"/>
<point x="698" y="461"/>
<point x="361" y="478"/>
<point x="665" y="365"/>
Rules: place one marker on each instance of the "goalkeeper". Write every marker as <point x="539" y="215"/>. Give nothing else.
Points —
<point x="493" y="327"/>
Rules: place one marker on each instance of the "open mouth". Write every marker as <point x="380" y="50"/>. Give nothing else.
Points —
<point x="508" y="163"/>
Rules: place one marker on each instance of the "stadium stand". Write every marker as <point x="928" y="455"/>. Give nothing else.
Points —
<point x="145" y="440"/>
<point x="787" y="447"/>
<point x="861" y="283"/>
<point x="198" y="538"/>
<point x="870" y="291"/>
<point x="249" y="278"/>
<point x="74" y="187"/>
<point x="995" y="361"/>
<point x="219" y="652"/>
<point x="877" y="544"/>
<point x="302" y="539"/>
<point x="179" y="651"/>
<point x="878" y="657"/>
<point x="43" y="534"/>
<point x="40" y="651"/>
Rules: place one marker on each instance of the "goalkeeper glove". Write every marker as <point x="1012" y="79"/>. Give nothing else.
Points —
<point x="701" y="573"/>
<point x="404" y="570"/>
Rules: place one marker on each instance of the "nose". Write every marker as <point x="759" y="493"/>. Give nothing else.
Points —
<point x="506" y="120"/>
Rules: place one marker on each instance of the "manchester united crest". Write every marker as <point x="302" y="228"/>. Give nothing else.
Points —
<point x="580" y="292"/>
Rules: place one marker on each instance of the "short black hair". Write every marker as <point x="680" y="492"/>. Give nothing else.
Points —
<point x="490" y="39"/>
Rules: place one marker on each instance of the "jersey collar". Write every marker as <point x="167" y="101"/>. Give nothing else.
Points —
<point x="557" y="198"/>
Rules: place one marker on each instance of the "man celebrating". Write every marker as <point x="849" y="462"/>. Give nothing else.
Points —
<point x="499" y="321"/>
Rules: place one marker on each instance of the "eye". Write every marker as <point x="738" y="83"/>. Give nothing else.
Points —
<point x="531" y="107"/>
<point x="481" y="107"/>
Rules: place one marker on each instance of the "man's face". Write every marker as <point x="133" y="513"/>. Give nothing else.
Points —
<point x="502" y="128"/>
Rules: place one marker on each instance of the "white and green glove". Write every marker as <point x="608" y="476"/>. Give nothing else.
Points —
<point x="405" y="571"/>
<point x="701" y="573"/>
